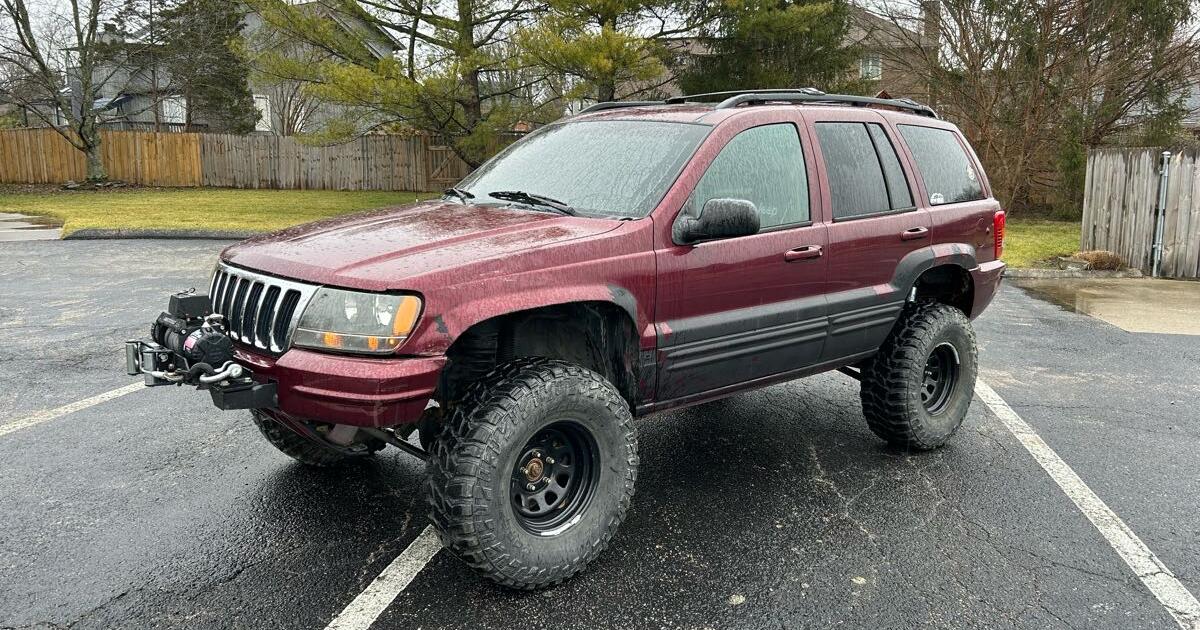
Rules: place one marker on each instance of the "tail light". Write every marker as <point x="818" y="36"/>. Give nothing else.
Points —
<point x="998" y="232"/>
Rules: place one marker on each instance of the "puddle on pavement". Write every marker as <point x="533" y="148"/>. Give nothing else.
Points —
<point x="1139" y="305"/>
<point x="20" y="227"/>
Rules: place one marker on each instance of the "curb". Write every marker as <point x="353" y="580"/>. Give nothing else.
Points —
<point x="1071" y="273"/>
<point x="93" y="234"/>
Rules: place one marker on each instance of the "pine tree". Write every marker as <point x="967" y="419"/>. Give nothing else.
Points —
<point x="776" y="44"/>
<point x="201" y="40"/>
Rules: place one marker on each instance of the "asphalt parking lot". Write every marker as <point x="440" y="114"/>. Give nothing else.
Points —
<point x="777" y="508"/>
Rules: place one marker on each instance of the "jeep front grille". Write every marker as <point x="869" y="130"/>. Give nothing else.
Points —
<point x="260" y="310"/>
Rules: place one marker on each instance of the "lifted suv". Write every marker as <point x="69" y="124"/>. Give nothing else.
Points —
<point x="635" y="258"/>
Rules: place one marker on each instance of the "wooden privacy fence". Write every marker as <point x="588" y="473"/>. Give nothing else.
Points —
<point x="41" y="156"/>
<point x="377" y="162"/>
<point x="1120" y="198"/>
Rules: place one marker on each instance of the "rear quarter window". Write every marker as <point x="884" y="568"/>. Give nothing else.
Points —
<point x="949" y="175"/>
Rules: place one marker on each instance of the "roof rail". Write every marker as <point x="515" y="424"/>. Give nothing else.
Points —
<point x="599" y="107"/>
<point x="806" y="95"/>
<point x="708" y="96"/>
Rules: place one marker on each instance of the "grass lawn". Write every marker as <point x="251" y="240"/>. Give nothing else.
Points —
<point x="189" y="208"/>
<point x="1029" y="241"/>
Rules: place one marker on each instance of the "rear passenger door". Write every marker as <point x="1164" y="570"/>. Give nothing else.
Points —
<point x="875" y="223"/>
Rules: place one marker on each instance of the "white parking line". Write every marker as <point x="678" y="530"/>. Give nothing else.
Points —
<point x="1150" y="570"/>
<point x="58" y="412"/>
<point x="366" y="608"/>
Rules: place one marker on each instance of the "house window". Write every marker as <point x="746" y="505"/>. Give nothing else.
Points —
<point x="870" y="67"/>
<point x="262" y="103"/>
<point x="174" y="110"/>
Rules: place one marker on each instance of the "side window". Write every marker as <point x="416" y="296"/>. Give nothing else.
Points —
<point x="897" y="187"/>
<point x="856" y="184"/>
<point x="947" y="171"/>
<point x="763" y="165"/>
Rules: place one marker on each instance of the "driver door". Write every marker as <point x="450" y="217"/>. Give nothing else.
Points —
<point x="736" y="310"/>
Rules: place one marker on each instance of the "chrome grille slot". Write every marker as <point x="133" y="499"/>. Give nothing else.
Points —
<point x="250" y="311"/>
<point x="270" y="299"/>
<point x="260" y="310"/>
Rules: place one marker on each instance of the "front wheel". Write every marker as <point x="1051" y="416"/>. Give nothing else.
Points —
<point x="917" y="389"/>
<point x="533" y="472"/>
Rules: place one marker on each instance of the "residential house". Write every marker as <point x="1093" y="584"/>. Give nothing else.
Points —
<point x="892" y="55"/>
<point x="1191" y="102"/>
<point x="137" y="92"/>
<point x="286" y="107"/>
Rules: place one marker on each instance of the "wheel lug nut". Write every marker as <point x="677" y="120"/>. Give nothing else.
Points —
<point x="524" y="470"/>
<point x="550" y="460"/>
<point x="530" y="487"/>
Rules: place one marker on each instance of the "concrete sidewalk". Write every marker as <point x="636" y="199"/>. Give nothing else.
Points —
<point x="1140" y="305"/>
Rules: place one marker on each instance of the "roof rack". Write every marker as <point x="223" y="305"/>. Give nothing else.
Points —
<point x="804" y="95"/>
<point x="599" y="107"/>
<point x="709" y="96"/>
<point x="734" y="98"/>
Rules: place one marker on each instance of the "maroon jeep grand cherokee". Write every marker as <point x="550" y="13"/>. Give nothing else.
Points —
<point x="634" y="258"/>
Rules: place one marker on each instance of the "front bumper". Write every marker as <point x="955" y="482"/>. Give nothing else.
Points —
<point x="986" y="279"/>
<point x="367" y="392"/>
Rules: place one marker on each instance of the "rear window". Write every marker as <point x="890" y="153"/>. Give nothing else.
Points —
<point x="864" y="172"/>
<point x="615" y="168"/>
<point x="945" y="167"/>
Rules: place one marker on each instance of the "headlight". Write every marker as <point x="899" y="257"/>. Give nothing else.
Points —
<point x="351" y="321"/>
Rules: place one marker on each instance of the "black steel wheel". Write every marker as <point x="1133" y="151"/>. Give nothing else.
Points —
<point x="941" y="375"/>
<point x="533" y="472"/>
<point x="916" y="390"/>
<point x="554" y="477"/>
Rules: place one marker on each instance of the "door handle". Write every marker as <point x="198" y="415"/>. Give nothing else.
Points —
<point x="807" y="252"/>
<point x="913" y="234"/>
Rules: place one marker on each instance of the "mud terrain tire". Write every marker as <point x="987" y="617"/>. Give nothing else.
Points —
<point x="917" y="389"/>
<point x="477" y="472"/>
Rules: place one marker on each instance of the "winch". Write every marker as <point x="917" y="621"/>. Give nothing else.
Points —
<point x="190" y="345"/>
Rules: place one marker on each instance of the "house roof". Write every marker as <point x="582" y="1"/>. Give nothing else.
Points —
<point x="346" y="21"/>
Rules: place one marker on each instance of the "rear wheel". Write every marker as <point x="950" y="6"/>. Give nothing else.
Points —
<point x="533" y="472"/>
<point x="917" y="389"/>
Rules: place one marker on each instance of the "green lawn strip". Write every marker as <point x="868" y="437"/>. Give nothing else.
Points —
<point x="1028" y="242"/>
<point x="197" y="208"/>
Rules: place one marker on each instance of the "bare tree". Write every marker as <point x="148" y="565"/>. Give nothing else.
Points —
<point x="56" y="70"/>
<point x="1032" y="83"/>
<point x="450" y="80"/>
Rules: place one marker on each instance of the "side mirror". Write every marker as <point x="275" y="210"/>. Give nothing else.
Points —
<point x="720" y="218"/>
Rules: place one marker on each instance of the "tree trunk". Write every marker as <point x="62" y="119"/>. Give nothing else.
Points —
<point x="606" y="90"/>
<point x="472" y="101"/>
<point x="95" y="162"/>
<point x="606" y="87"/>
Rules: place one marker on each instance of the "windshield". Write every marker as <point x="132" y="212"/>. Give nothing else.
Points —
<point x="615" y="168"/>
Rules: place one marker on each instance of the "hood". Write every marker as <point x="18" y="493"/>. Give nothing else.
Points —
<point x="378" y="250"/>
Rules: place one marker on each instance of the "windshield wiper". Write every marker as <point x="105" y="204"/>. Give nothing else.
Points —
<point x="463" y="195"/>
<point x="521" y="196"/>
